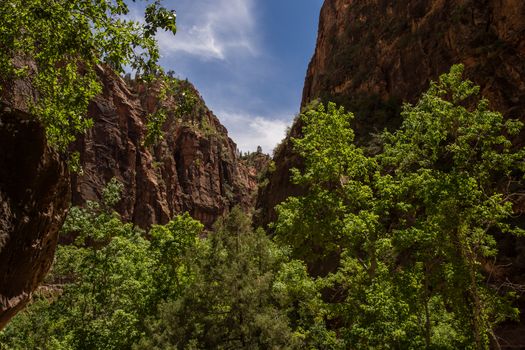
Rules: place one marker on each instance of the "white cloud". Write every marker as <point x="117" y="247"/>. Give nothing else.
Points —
<point x="212" y="29"/>
<point x="250" y="131"/>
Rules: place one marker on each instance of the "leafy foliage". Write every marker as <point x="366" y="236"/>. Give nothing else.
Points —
<point x="410" y="226"/>
<point x="111" y="288"/>
<point x="172" y="92"/>
<point x="240" y="295"/>
<point x="56" y="46"/>
<point x="105" y="284"/>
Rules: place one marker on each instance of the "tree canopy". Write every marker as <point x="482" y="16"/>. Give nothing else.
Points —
<point x="388" y="248"/>
<point x="54" y="47"/>
<point x="403" y="232"/>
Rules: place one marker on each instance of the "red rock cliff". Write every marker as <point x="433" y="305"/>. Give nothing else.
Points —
<point x="34" y="197"/>
<point x="194" y="168"/>
<point x="371" y="54"/>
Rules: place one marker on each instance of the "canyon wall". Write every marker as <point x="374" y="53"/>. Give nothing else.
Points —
<point x="195" y="167"/>
<point x="34" y="197"/>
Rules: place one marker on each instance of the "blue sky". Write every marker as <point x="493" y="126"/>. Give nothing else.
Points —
<point x="248" y="59"/>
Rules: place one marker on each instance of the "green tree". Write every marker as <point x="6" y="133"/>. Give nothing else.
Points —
<point x="242" y="294"/>
<point x="55" y="47"/>
<point x="105" y="284"/>
<point x="172" y="92"/>
<point x="410" y="226"/>
<point x="169" y="244"/>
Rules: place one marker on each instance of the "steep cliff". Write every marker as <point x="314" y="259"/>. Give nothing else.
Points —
<point x="372" y="55"/>
<point x="34" y="197"/>
<point x="194" y="168"/>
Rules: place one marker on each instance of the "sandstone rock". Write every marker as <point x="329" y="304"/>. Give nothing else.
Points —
<point x="34" y="196"/>
<point x="371" y="55"/>
<point x="195" y="168"/>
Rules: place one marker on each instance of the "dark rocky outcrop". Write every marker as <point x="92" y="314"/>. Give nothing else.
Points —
<point x="34" y="197"/>
<point x="195" y="168"/>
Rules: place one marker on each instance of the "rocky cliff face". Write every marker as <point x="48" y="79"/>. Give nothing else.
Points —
<point x="34" y="197"/>
<point x="194" y="168"/>
<point x="372" y="55"/>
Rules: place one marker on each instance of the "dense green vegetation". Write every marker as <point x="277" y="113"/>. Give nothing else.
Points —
<point x="105" y="283"/>
<point x="384" y="251"/>
<point x="113" y="288"/>
<point x="403" y="233"/>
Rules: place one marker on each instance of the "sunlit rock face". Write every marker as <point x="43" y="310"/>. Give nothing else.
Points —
<point x="194" y="168"/>
<point x="34" y="197"/>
